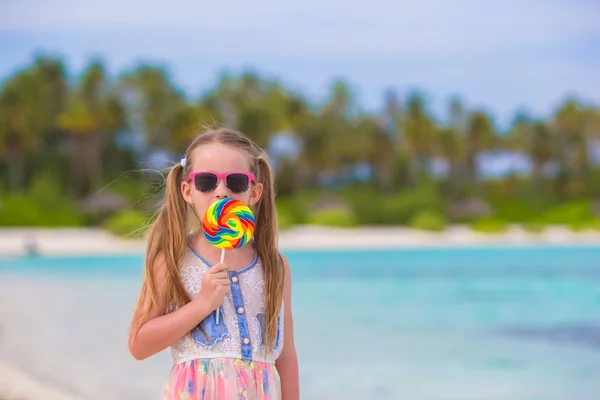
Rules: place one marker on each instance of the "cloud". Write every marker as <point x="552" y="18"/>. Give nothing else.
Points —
<point x="429" y="28"/>
<point x="498" y="54"/>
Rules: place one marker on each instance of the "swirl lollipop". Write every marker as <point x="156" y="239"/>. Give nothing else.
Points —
<point x="228" y="224"/>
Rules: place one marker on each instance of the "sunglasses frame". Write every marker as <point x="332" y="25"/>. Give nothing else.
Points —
<point x="223" y="177"/>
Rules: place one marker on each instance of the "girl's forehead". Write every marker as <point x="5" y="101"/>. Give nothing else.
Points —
<point x="221" y="158"/>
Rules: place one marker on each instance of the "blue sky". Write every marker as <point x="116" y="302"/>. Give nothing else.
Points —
<point x="501" y="55"/>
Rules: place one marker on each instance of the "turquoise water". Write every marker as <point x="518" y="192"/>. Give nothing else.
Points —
<point x="489" y="323"/>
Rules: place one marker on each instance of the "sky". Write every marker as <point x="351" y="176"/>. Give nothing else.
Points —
<point x="502" y="56"/>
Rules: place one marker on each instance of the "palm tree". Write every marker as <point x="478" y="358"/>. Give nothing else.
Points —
<point x="450" y="147"/>
<point x="450" y="140"/>
<point x="29" y="103"/>
<point x="20" y="130"/>
<point x="480" y="136"/>
<point x="541" y="148"/>
<point x="378" y="149"/>
<point x="152" y="101"/>
<point x="54" y="91"/>
<point x="92" y="117"/>
<point x="81" y="124"/>
<point x="568" y="122"/>
<point x="185" y="122"/>
<point x="418" y="129"/>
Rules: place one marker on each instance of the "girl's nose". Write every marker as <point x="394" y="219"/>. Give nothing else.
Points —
<point x="221" y="191"/>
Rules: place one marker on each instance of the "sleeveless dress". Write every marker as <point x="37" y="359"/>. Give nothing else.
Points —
<point x="228" y="362"/>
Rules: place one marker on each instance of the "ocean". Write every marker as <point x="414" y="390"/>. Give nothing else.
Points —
<point x="497" y="323"/>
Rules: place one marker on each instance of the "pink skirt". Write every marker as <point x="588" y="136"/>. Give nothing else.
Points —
<point x="223" y="378"/>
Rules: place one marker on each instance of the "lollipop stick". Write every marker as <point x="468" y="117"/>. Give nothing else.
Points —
<point x="222" y="258"/>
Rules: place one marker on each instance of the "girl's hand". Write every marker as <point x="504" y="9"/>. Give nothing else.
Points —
<point x="215" y="285"/>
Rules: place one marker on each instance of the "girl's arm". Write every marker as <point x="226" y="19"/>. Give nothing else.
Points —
<point x="160" y="331"/>
<point x="287" y="363"/>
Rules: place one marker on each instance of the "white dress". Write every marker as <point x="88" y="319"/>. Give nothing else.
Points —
<point x="228" y="361"/>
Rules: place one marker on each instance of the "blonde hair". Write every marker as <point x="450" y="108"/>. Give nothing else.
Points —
<point x="169" y="235"/>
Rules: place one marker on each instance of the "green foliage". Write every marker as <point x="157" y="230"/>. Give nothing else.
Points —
<point x="429" y="221"/>
<point x="285" y="219"/>
<point x="516" y="210"/>
<point x="293" y="209"/>
<point x="594" y="224"/>
<point x="135" y="190"/>
<point x="43" y="205"/>
<point x="339" y="217"/>
<point x="490" y="225"/>
<point x="20" y="210"/>
<point x="373" y="208"/>
<point x="536" y="215"/>
<point x="571" y="213"/>
<point x="128" y="224"/>
<point x="581" y="225"/>
<point x="46" y="190"/>
<point x="534" y="227"/>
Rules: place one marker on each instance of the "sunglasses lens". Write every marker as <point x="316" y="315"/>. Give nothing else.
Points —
<point x="205" y="182"/>
<point x="237" y="183"/>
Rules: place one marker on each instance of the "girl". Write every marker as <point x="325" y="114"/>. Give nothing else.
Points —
<point x="250" y="352"/>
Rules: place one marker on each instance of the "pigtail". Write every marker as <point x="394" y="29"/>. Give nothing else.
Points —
<point x="265" y="239"/>
<point x="167" y="238"/>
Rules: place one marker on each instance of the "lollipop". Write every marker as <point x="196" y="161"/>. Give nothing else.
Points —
<point x="228" y="224"/>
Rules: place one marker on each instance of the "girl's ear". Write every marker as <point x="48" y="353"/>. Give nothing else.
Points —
<point x="256" y="193"/>
<point x="186" y="192"/>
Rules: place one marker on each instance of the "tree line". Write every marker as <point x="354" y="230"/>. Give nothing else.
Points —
<point x="89" y="128"/>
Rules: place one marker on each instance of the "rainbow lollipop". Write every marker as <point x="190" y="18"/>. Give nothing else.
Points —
<point x="228" y="224"/>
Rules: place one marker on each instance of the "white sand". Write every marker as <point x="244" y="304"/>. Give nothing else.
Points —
<point x="71" y="339"/>
<point x="64" y="241"/>
<point x="16" y="384"/>
<point x="14" y="242"/>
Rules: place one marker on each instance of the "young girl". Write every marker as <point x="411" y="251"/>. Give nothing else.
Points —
<point x="247" y="354"/>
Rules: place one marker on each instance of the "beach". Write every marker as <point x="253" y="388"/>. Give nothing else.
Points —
<point x="48" y="361"/>
<point x="15" y="242"/>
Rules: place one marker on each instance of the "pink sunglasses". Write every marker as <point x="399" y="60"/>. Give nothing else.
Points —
<point x="237" y="182"/>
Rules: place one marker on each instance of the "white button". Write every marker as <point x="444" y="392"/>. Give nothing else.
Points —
<point x="240" y="310"/>
<point x="234" y="279"/>
<point x="246" y="340"/>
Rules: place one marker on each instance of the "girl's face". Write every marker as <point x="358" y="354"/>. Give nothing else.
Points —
<point x="221" y="159"/>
